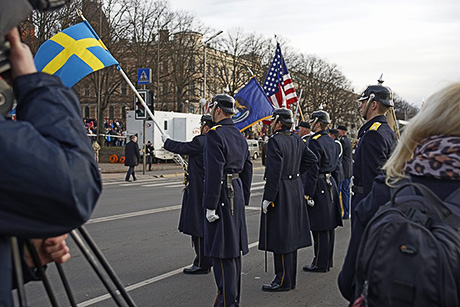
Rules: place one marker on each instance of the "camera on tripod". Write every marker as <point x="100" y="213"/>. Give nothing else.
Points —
<point x="12" y="12"/>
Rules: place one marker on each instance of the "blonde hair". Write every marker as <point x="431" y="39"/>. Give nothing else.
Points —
<point x="440" y="115"/>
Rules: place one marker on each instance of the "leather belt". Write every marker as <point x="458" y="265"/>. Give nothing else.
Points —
<point x="357" y="189"/>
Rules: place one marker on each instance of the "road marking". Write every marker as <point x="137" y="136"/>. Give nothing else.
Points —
<point x="158" y="210"/>
<point x="143" y="283"/>
<point x="132" y="214"/>
<point x="137" y="181"/>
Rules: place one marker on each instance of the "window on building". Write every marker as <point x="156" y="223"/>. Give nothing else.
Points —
<point x="86" y="90"/>
<point x="124" y="89"/>
<point x="192" y="88"/>
<point x="111" y="112"/>
<point x="165" y="89"/>
<point x="86" y="112"/>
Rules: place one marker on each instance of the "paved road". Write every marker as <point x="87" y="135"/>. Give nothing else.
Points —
<point x="135" y="225"/>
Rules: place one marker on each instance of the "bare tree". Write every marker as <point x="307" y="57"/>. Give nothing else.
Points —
<point x="403" y="109"/>
<point x="185" y="56"/>
<point x="241" y="51"/>
<point x="147" y="40"/>
<point x="325" y="85"/>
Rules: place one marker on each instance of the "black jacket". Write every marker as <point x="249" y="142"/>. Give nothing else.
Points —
<point x="50" y="179"/>
<point x="347" y="157"/>
<point x="132" y="155"/>
<point x="366" y="209"/>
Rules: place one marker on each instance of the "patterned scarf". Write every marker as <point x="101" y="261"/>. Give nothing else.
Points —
<point x="438" y="157"/>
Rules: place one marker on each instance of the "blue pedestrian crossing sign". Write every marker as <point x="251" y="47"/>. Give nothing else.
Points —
<point x="144" y="76"/>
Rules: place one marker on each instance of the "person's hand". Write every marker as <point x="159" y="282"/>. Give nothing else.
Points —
<point x="49" y="250"/>
<point x="211" y="215"/>
<point x="265" y="205"/>
<point x="21" y="59"/>
<point x="164" y="137"/>
<point x="310" y="201"/>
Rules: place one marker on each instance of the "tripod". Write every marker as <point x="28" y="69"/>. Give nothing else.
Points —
<point x="94" y="257"/>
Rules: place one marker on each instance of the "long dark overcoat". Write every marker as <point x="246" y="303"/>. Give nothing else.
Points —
<point x="326" y="213"/>
<point x="288" y="227"/>
<point x="192" y="213"/>
<point x="226" y="152"/>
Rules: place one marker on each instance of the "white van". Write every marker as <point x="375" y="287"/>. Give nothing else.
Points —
<point x="254" y="149"/>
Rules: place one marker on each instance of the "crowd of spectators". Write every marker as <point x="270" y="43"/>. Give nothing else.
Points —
<point x="114" y="131"/>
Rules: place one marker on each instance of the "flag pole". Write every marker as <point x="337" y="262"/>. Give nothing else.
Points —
<point x="180" y="160"/>
<point x="298" y="104"/>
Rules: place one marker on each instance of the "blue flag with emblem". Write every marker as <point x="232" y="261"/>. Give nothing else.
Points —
<point x="73" y="53"/>
<point x="252" y="104"/>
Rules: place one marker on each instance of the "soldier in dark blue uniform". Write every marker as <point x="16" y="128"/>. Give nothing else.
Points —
<point x="284" y="224"/>
<point x="304" y="131"/>
<point x="347" y="167"/>
<point x="192" y="211"/>
<point x="321" y="194"/>
<point x="228" y="176"/>
<point x="376" y="139"/>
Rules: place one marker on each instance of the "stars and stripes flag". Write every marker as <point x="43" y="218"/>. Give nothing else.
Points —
<point x="278" y="84"/>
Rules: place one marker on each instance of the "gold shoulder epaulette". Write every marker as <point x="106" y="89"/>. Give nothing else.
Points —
<point x="215" y="127"/>
<point x="375" y="126"/>
<point x="304" y="140"/>
<point x="316" y="136"/>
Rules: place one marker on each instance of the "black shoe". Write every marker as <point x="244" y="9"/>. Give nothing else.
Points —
<point x="127" y="180"/>
<point x="345" y="218"/>
<point x="134" y="179"/>
<point x="196" y="270"/>
<point x="314" y="268"/>
<point x="274" y="287"/>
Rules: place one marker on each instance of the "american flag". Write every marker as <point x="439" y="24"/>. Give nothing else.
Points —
<point x="278" y="85"/>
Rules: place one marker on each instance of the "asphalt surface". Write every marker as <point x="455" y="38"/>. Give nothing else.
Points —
<point x="135" y="226"/>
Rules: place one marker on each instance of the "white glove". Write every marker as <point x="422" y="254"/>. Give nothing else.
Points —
<point x="310" y="201"/>
<point x="211" y="215"/>
<point x="164" y="137"/>
<point x="265" y="205"/>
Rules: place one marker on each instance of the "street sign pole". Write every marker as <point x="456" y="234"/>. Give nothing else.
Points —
<point x="145" y="149"/>
<point x="144" y="159"/>
<point x="155" y="121"/>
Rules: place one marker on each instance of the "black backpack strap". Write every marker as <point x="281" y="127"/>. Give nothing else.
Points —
<point x="448" y="213"/>
<point x="454" y="198"/>
<point x="407" y="190"/>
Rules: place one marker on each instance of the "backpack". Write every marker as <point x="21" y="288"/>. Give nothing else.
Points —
<point x="409" y="254"/>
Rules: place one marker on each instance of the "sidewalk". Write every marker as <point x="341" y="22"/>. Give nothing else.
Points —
<point x="117" y="171"/>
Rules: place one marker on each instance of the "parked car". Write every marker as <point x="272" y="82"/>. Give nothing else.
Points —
<point x="254" y="149"/>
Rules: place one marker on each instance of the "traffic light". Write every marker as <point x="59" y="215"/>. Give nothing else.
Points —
<point x="139" y="109"/>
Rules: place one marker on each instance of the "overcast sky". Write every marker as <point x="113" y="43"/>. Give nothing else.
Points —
<point x="415" y="44"/>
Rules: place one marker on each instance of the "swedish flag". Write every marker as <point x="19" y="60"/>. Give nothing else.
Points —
<point x="73" y="53"/>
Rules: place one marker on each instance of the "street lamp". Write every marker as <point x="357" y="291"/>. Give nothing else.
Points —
<point x="204" y="59"/>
